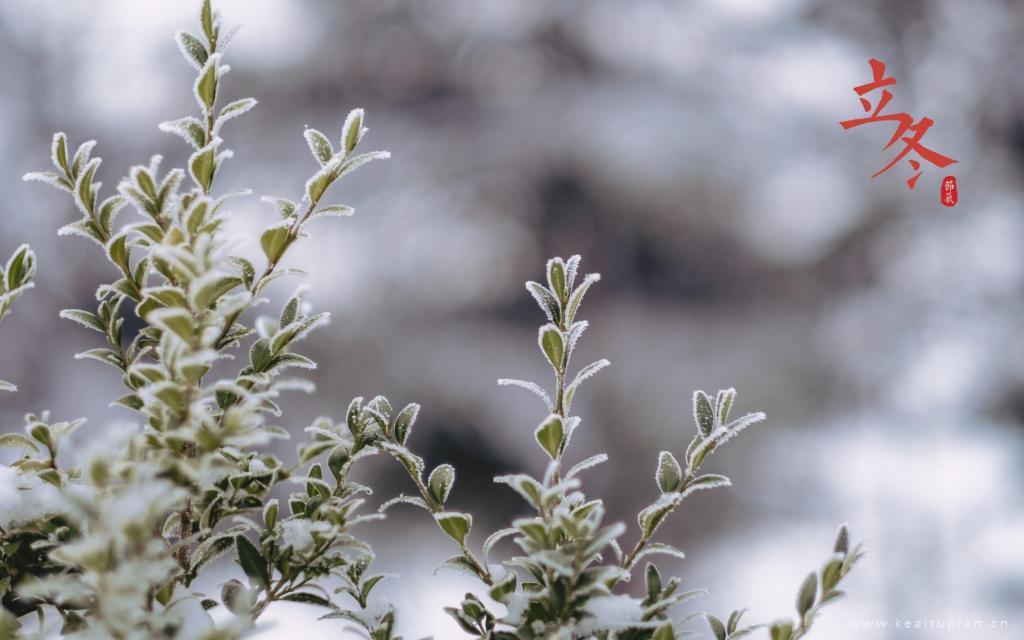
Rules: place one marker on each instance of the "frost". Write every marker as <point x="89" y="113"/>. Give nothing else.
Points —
<point x="529" y="386"/>
<point x="611" y="613"/>
<point x="25" y="498"/>
<point x="298" y="533"/>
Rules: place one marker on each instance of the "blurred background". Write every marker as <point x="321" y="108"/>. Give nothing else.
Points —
<point x="691" y="152"/>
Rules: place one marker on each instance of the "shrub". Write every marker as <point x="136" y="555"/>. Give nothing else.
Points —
<point x="114" y="543"/>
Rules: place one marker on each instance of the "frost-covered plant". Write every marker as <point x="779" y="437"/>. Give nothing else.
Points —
<point x="15" y="279"/>
<point x="567" y="582"/>
<point x="133" y="527"/>
<point x="112" y="542"/>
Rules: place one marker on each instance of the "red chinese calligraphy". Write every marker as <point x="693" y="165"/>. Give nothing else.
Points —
<point x="905" y="125"/>
<point x="948" y="195"/>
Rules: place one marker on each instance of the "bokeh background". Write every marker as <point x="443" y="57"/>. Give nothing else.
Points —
<point x="691" y="152"/>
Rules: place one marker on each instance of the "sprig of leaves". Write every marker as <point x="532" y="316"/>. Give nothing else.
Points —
<point x="15" y="279"/>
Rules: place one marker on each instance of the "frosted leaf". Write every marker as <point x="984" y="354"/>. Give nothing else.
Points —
<point x="59" y="152"/>
<point x="284" y="206"/>
<point x="205" y="87"/>
<point x="576" y="332"/>
<point x="293" y="384"/>
<point x="706" y="481"/>
<point x="352" y="131"/>
<point x="355" y="162"/>
<point x="233" y="110"/>
<point x="703" y="413"/>
<point x="225" y="38"/>
<point x="592" y="461"/>
<point x="588" y="371"/>
<point x="658" y="548"/>
<point x="617" y="550"/>
<point x="740" y="424"/>
<point x="572" y="266"/>
<point x="189" y="128"/>
<point x="192" y="49"/>
<point x="319" y="146"/>
<point x="404" y="499"/>
<point x="81" y="157"/>
<point x="529" y="386"/>
<point x="577" y="296"/>
<point x="545" y="300"/>
<point x="48" y="178"/>
<point x="495" y="537"/>
<point x="333" y="211"/>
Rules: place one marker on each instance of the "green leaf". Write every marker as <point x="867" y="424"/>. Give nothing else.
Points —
<point x="206" y="22"/>
<point x="545" y="300"/>
<point x="806" y="596"/>
<point x="782" y="630"/>
<point x="456" y="525"/>
<point x="703" y="413"/>
<point x="245" y="269"/>
<point x="270" y="513"/>
<point x="556" y="277"/>
<point x="284" y="206"/>
<point x="652" y="516"/>
<point x="317" y="185"/>
<point x="716" y="626"/>
<point x="504" y="586"/>
<point x="83" y="188"/>
<point x="17" y="441"/>
<point x="653" y="582"/>
<point x="202" y="165"/>
<point x="59" y="152"/>
<point x="20" y="268"/>
<point x="117" y="250"/>
<point x="192" y="48"/>
<point x="707" y="481"/>
<point x="842" y="540"/>
<point x="189" y="128"/>
<point x="319" y="146"/>
<point x="235" y="109"/>
<point x="308" y="598"/>
<point x="83" y="318"/>
<point x="333" y="211"/>
<point x="831" y="573"/>
<point x="669" y="473"/>
<point x="440" y="482"/>
<point x="176" y="320"/>
<point x="352" y="131"/>
<point x="206" y="84"/>
<point x="404" y="421"/>
<point x="549" y="435"/>
<point x="664" y="632"/>
<point x="206" y="291"/>
<point x="275" y="239"/>
<point x="734" y="620"/>
<point x="723" y="403"/>
<point x="577" y="296"/>
<point x="252" y="562"/>
<point x="259" y="355"/>
<point x="552" y="344"/>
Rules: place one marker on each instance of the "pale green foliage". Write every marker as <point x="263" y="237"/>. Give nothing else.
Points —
<point x="140" y="521"/>
<point x="112" y="546"/>
<point x="15" y="279"/>
<point x="567" y="580"/>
